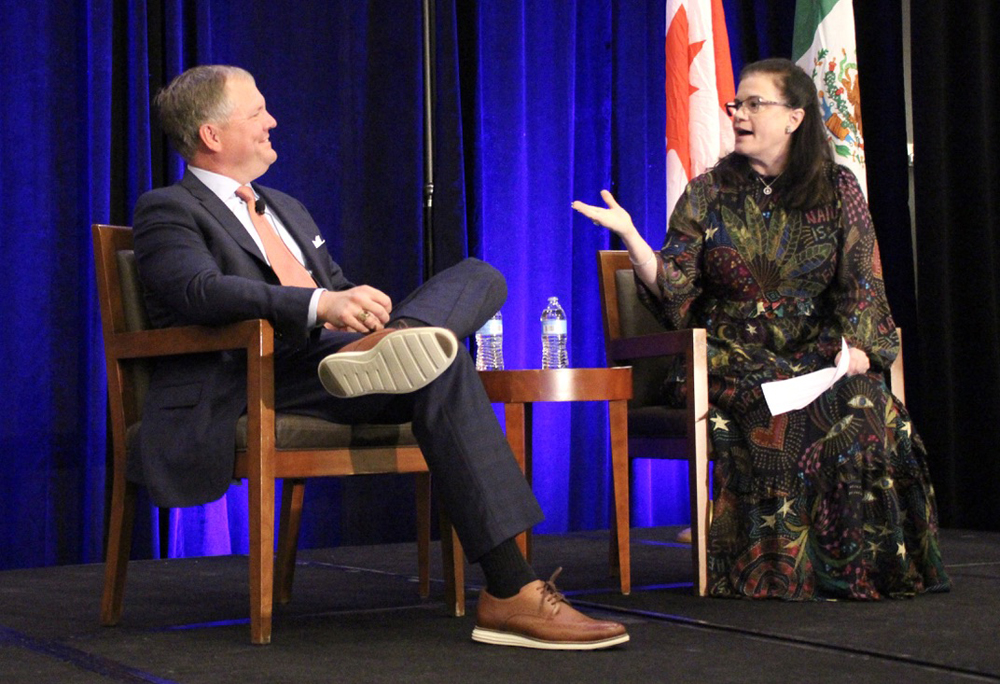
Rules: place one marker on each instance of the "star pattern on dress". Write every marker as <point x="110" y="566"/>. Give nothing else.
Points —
<point x="720" y="423"/>
<point x="901" y="550"/>
<point x="710" y="233"/>
<point x="906" y="428"/>
<point x="769" y="520"/>
<point x="786" y="508"/>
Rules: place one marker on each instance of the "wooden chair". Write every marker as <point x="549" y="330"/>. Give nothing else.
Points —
<point x="633" y="336"/>
<point x="270" y="445"/>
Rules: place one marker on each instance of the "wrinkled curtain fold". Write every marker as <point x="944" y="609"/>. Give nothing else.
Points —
<point x="956" y="85"/>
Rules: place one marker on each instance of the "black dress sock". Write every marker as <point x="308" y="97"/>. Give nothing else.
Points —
<point x="506" y="570"/>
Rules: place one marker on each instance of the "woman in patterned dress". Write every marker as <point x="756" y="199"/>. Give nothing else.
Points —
<point x="773" y="252"/>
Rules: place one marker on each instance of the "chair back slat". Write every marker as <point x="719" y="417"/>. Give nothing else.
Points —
<point x="624" y="317"/>
<point x="133" y="305"/>
<point x="122" y="310"/>
<point x="634" y="318"/>
<point x="136" y="319"/>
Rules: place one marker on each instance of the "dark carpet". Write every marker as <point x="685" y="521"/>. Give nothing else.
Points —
<point x="356" y="617"/>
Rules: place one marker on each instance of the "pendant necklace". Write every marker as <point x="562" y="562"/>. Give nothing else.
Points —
<point x="767" y="186"/>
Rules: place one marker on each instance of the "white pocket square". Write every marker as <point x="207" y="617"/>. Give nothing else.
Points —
<point x="318" y="242"/>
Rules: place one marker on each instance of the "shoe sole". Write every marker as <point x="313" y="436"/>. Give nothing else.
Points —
<point x="399" y="363"/>
<point x="491" y="636"/>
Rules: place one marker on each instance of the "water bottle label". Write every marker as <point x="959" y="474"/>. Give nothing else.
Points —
<point x="492" y="327"/>
<point x="553" y="327"/>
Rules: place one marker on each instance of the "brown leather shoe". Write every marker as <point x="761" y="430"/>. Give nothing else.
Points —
<point x="540" y="617"/>
<point x="389" y="362"/>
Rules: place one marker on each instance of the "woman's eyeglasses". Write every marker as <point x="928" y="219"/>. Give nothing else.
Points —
<point x="752" y="103"/>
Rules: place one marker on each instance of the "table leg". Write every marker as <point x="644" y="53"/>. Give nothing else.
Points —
<point x="620" y="551"/>
<point x="518" y="425"/>
<point x="528" y="411"/>
<point x="453" y="562"/>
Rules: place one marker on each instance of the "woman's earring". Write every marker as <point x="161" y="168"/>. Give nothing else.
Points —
<point x="788" y="130"/>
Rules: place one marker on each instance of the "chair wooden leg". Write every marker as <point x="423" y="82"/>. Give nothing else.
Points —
<point x="453" y="561"/>
<point x="424" y="533"/>
<point x="292" y="495"/>
<point x="120" y="523"/>
<point x="697" y="383"/>
<point x="700" y="520"/>
<point x="261" y="513"/>
<point x="620" y="538"/>
<point x="613" y="569"/>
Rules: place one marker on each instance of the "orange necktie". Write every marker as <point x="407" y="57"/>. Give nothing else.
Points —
<point x="283" y="262"/>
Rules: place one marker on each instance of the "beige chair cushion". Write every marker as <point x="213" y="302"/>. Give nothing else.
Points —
<point x="304" y="432"/>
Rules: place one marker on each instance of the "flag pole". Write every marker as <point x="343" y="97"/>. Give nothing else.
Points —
<point x="429" y="99"/>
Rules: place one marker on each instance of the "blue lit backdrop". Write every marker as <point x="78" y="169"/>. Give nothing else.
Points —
<point x="539" y="103"/>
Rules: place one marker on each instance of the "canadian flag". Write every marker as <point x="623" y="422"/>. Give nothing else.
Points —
<point x="699" y="82"/>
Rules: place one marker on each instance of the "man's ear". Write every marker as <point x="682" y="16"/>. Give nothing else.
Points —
<point x="210" y="138"/>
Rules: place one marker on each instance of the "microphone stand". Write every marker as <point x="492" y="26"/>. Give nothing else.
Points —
<point x="429" y="99"/>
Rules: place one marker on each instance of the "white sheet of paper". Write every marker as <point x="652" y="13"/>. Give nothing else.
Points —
<point x="794" y="393"/>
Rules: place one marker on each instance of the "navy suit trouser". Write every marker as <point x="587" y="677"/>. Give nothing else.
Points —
<point x="477" y="478"/>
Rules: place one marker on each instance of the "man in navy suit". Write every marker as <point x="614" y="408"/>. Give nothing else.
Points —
<point x="217" y="248"/>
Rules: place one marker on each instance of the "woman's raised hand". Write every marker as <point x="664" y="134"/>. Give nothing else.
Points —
<point x="614" y="218"/>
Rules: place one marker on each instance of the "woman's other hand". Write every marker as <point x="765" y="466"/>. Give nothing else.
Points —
<point x="858" y="362"/>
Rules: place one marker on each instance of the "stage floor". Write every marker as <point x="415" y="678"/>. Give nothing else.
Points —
<point x="356" y="617"/>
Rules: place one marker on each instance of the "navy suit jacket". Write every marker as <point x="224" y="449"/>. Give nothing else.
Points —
<point x="199" y="266"/>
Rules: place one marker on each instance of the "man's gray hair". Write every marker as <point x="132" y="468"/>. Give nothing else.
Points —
<point x="195" y="97"/>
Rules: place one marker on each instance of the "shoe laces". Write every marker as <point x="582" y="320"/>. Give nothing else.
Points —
<point x="550" y="595"/>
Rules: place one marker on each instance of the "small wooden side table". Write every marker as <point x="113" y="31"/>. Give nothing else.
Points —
<point x="519" y="389"/>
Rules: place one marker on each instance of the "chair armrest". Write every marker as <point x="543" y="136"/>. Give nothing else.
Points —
<point x="668" y="343"/>
<point x="191" y="339"/>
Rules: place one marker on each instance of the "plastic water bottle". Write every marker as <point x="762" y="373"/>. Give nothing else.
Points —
<point x="489" y="344"/>
<point x="554" y="336"/>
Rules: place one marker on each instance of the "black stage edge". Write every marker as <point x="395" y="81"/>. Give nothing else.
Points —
<point x="356" y="617"/>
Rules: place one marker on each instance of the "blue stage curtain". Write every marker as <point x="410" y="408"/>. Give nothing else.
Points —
<point x="55" y="158"/>
<point x="77" y="146"/>
<point x="538" y="104"/>
<point x="560" y="100"/>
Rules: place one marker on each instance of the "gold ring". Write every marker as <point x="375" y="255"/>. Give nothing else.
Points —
<point x="363" y="316"/>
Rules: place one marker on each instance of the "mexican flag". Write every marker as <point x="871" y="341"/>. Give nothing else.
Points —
<point x="823" y="45"/>
<point x="699" y="81"/>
